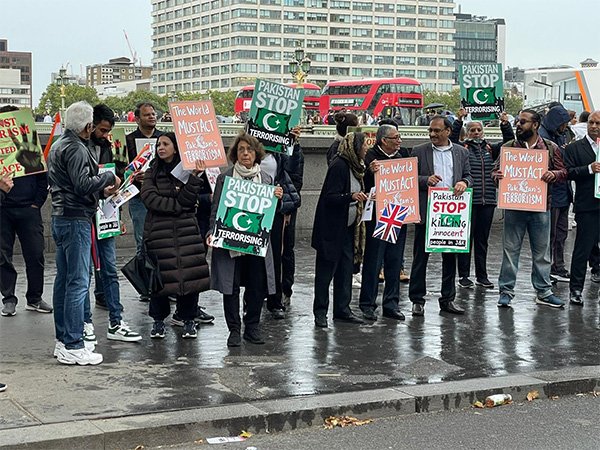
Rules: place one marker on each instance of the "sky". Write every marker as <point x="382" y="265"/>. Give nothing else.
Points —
<point x="83" y="32"/>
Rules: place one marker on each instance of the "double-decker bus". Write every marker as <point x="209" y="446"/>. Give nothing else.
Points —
<point x="388" y="97"/>
<point x="312" y="93"/>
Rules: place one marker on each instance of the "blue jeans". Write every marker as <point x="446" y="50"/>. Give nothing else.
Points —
<point x="73" y="246"/>
<point x="107" y="253"/>
<point x="537" y="226"/>
<point x="137" y="212"/>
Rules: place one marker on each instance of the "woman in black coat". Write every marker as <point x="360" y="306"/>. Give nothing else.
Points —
<point x="338" y="233"/>
<point x="172" y="237"/>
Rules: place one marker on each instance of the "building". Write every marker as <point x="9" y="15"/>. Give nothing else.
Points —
<point x="117" y="70"/>
<point x="68" y="79"/>
<point x="479" y="40"/>
<point x="122" y="88"/>
<point x="15" y="77"/>
<point x="225" y="44"/>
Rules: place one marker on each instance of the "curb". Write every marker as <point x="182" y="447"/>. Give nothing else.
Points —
<point x="176" y="427"/>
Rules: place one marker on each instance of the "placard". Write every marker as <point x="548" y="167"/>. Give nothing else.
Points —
<point x="481" y="90"/>
<point x="245" y="216"/>
<point x="274" y="111"/>
<point x="197" y="132"/>
<point x="107" y="226"/>
<point x="448" y="225"/>
<point x="521" y="187"/>
<point x="397" y="182"/>
<point x="20" y="150"/>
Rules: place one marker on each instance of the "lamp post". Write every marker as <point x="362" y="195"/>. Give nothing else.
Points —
<point x="299" y="67"/>
<point x="61" y="80"/>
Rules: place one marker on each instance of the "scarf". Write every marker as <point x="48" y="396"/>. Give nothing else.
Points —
<point x="357" y="167"/>
<point x="251" y="174"/>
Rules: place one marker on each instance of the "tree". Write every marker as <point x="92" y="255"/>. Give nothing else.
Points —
<point x="450" y="100"/>
<point x="73" y="93"/>
<point x="512" y="103"/>
<point x="131" y="100"/>
<point x="223" y="102"/>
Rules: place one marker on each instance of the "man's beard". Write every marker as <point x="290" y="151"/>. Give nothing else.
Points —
<point x="524" y="135"/>
<point x="99" y="140"/>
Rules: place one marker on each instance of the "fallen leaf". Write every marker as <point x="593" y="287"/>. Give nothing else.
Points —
<point x="533" y="395"/>
<point x="245" y="434"/>
<point x="595" y="393"/>
<point x="344" y="421"/>
<point x="478" y="404"/>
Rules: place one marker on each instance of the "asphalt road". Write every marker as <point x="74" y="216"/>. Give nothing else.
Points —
<point x="567" y="423"/>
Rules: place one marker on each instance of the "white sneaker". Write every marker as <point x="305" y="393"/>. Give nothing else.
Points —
<point x="357" y="281"/>
<point x="88" y="333"/>
<point x="122" y="332"/>
<point x="58" y="347"/>
<point x="80" y="356"/>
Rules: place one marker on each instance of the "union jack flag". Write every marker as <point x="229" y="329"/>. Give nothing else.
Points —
<point x="389" y="224"/>
<point x="143" y="159"/>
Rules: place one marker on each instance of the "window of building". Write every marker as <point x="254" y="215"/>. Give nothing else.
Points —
<point x="361" y="72"/>
<point x="384" y="20"/>
<point x="384" y="34"/>
<point x="405" y="60"/>
<point x="360" y="45"/>
<point x="270" y="27"/>
<point x="339" y="44"/>
<point x="427" y="36"/>
<point x="406" y="22"/>
<point x="334" y="4"/>
<point x="295" y="29"/>
<point x="383" y="73"/>
<point x="384" y="7"/>
<point x="317" y="30"/>
<point x="362" y="6"/>
<point x="405" y="34"/>
<point x="339" y="71"/>
<point x="428" y="23"/>
<point x="362" y="59"/>
<point x="316" y="43"/>
<point x="267" y="54"/>
<point x="361" y="32"/>
<point x="293" y="42"/>
<point x="316" y="17"/>
<point x="270" y="41"/>
<point x="411" y="9"/>
<point x="432" y="10"/>
<point x="405" y="73"/>
<point x="426" y="73"/>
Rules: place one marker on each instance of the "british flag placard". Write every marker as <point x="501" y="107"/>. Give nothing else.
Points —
<point x="389" y="224"/>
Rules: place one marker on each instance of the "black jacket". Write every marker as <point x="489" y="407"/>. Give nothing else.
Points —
<point x="27" y="191"/>
<point x="132" y="150"/>
<point x="578" y="156"/>
<point x="288" y="166"/>
<point x="75" y="185"/>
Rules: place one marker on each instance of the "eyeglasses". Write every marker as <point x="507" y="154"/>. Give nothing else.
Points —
<point x="524" y="121"/>
<point x="397" y="137"/>
<point x="436" y="130"/>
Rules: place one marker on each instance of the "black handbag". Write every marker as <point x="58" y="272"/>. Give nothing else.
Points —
<point x="143" y="273"/>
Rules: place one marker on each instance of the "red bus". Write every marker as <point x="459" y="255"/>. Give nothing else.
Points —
<point x="312" y="93"/>
<point x="390" y="97"/>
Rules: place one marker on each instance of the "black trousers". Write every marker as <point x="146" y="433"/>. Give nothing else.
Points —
<point x="559" y="230"/>
<point x="275" y="301"/>
<point x="481" y="224"/>
<point x="288" y="256"/>
<point x="595" y="259"/>
<point x="160" y="307"/>
<point x="340" y="271"/>
<point x="249" y="272"/>
<point x="26" y="223"/>
<point x="418" y="286"/>
<point x="587" y="237"/>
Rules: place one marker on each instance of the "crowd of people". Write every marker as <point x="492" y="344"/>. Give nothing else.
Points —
<point x="173" y="221"/>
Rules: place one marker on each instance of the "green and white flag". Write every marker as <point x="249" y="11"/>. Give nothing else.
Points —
<point x="481" y="90"/>
<point x="245" y="216"/>
<point x="274" y="111"/>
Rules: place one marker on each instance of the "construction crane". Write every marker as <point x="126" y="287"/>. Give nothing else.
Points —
<point x="134" y="55"/>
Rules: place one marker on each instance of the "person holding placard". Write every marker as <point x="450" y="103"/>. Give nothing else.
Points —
<point x="230" y="269"/>
<point x="535" y="224"/>
<point x="583" y="165"/>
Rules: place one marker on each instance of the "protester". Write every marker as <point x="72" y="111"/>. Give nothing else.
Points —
<point x="338" y="234"/>
<point x="536" y="224"/>
<point x="231" y="270"/>
<point x="21" y="216"/>
<point x="579" y="129"/>
<point x="343" y="121"/>
<point x="481" y="159"/>
<point x="581" y="159"/>
<point x="6" y="184"/>
<point x="171" y="237"/>
<point x="75" y="187"/>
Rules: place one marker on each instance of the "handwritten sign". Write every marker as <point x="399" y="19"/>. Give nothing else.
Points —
<point x="396" y="182"/>
<point x="448" y="225"/>
<point x="20" y="151"/>
<point x="481" y="90"/>
<point x="197" y="132"/>
<point x="521" y="187"/>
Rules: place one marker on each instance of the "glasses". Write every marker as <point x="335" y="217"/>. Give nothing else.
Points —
<point x="397" y="137"/>
<point x="524" y="121"/>
<point x="436" y="130"/>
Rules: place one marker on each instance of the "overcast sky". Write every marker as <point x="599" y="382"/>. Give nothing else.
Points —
<point x="83" y="32"/>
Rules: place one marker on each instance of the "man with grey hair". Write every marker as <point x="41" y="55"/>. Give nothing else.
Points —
<point x="75" y="187"/>
<point x="377" y="251"/>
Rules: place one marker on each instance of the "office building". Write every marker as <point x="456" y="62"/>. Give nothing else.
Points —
<point x="15" y="77"/>
<point x="117" y="70"/>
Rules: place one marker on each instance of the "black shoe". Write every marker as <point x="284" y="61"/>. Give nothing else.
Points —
<point x="234" y="339"/>
<point x="451" y="308"/>
<point x="576" y="298"/>
<point x="369" y="314"/>
<point x="349" y="319"/>
<point x="253" y="336"/>
<point x="2" y="387"/>
<point x="189" y="330"/>
<point x="321" y="322"/>
<point x="485" y="283"/>
<point x="278" y="314"/>
<point x="418" y="309"/>
<point x="464" y="282"/>
<point x="158" y="330"/>
<point x="397" y="314"/>
<point x="203" y="317"/>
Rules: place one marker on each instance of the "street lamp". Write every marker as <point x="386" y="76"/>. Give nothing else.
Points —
<point x="299" y="67"/>
<point x="61" y="80"/>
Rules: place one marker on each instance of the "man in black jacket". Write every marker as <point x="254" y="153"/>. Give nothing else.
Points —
<point x="581" y="161"/>
<point x="21" y="216"/>
<point x="6" y="184"/>
<point x="75" y="187"/>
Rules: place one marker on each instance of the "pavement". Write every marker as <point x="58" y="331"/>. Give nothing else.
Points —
<point x="174" y="390"/>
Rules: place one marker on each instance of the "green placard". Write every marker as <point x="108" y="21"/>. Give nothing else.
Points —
<point x="20" y="150"/>
<point x="107" y="226"/>
<point x="274" y="111"/>
<point x="245" y="216"/>
<point x="448" y="226"/>
<point x="481" y="90"/>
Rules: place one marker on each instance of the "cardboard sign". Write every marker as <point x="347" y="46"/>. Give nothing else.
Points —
<point x="107" y="226"/>
<point x="275" y="110"/>
<point x="20" y="151"/>
<point x="481" y="90"/>
<point x="197" y="132"/>
<point x="397" y="182"/>
<point x="245" y="216"/>
<point x="448" y="225"/>
<point x="522" y="187"/>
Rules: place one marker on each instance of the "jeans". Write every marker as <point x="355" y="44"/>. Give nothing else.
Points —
<point x="537" y="226"/>
<point x="107" y="284"/>
<point x="137" y="212"/>
<point x="73" y="239"/>
<point x="26" y="223"/>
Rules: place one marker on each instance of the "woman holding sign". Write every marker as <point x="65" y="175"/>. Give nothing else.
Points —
<point x="232" y="269"/>
<point x="172" y="237"/>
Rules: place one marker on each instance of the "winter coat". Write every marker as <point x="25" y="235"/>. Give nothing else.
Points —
<point x="221" y="263"/>
<point x="171" y="232"/>
<point x="290" y="201"/>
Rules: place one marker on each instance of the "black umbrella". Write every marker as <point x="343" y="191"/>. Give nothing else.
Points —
<point x="434" y="106"/>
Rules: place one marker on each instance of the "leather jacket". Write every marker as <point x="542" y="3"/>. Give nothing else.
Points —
<point x="75" y="185"/>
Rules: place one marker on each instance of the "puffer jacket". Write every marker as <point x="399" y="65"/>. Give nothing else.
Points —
<point x="171" y="232"/>
<point x="75" y="185"/>
<point x="291" y="199"/>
